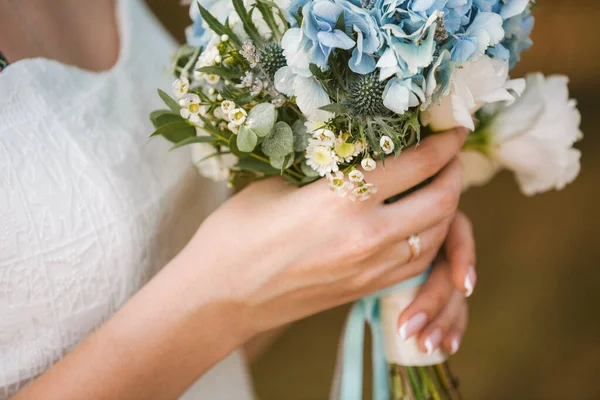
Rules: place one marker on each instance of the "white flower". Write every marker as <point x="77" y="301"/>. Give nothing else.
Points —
<point x="212" y="79"/>
<point x="238" y="116"/>
<point x="191" y="108"/>
<point x="346" y="151"/>
<point x="207" y="57"/>
<point x="322" y="159"/>
<point x="338" y="184"/>
<point x="387" y="145"/>
<point x="219" y="114"/>
<point x="363" y="192"/>
<point x="180" y="87"/>
<point x="324" y="137"/>
<point x="233" y="128"/>
<point x="475" y="84"/>
<point x="534" y="137"/>
<point x="368" y="164"/>
<point x="215" y="167"/>
<point x="227" y="106"/>
<point x="356" y="176"/>
<point x="478" y="169"/>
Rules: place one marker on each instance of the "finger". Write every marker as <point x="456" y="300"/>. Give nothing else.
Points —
<point x="460" y="252"/>
<point x="416" y="164"/>
<point x="431" y="337"/>
<point x="429" y="302"/>
<point x="453" y="338"/>
<point x="425" y="207"/>
<point x="432" y="239"/>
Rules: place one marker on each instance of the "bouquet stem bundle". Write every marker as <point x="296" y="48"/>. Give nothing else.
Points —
<point x="434" y="382"/>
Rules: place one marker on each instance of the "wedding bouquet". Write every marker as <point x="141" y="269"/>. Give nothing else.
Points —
<point x="306" y="89"/>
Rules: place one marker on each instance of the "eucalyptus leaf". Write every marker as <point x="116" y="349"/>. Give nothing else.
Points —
<point x="301" y="135"/>
<point x="282" y="163"/>
<point x="261" y="119"/>
<point x="194" y="139"/>
<point x="308" y="171"/>
<point x="280" y="142"/>
<point x="175" y="131"/>
<point x="233" y="147"/>
<point x="163" y="117"/>
<point x="254" y="165"/>
<point x="171" y="103"/>
<point x="246" y="139"/>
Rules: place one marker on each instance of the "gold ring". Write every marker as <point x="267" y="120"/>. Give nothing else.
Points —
<point x="414" y="242"/>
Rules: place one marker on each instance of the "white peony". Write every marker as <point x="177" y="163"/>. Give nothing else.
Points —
<point x="473" y="85"/>
<point x="533" y="137"/>
<point x="209" y="166"/>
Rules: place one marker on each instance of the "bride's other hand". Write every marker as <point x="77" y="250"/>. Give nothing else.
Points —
<point x="438" y="314"/>
<point x="270" y="255"/>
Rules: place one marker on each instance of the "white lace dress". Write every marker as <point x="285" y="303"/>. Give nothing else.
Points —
<point x="89" y="209"/>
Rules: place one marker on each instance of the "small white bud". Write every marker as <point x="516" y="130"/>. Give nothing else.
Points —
<point x="224" y="38"/>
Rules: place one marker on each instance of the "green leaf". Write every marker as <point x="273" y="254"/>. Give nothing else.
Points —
<point x="280" y="142"/>
<point x="269" y="17"/>
<point x="247" y="22"/>
<point x="175" y="131"/>
<point x="317" y="72"/>
<point x="223" y="72"/>
<point x="341" y="23"/>
<point x="218" y="27"/>
<point x="282" y="163"/>
<point x="195" y="139"/>
<point x="336" y="108"/>
<point x="163" y="117"/>
<point x="233" y="147"/>
<point x="172" y="104"/>
<point x="301" y="136"/>
<point x="246" y="139"/>
<point x="261" y="119"/>
<point x="254" y="165"/>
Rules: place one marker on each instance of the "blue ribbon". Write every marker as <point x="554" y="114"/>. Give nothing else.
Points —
<point x="367" y="310"/>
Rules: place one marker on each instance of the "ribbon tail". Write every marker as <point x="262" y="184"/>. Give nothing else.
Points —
<point x="351" y="382"/>
<point x="381" y="380"/>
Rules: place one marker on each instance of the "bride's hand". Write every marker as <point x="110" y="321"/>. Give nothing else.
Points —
<point x="438" y="314"/>
<point x="283" y="253"/>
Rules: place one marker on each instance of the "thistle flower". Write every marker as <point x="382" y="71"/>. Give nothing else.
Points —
<point x="271" y="58"/>
<point x="366" y="95"/>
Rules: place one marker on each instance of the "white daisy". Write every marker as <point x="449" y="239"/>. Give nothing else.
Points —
<point x="180" y="87"/>
<point x="387" y="145"/>
<point x="191" y="108"/>
<point x="356" y="176"/>
<point x="238" y="116"/>
<point x="338" y="184"/>
<point x="368" y="164"/>
<point x="322" y="159"/>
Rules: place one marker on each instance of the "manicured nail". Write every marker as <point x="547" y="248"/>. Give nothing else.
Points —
<point x="412" y="326"/>
<point x="455" y="344"/>
<point x="470" y="280"/>
<point x="433" y="341"/>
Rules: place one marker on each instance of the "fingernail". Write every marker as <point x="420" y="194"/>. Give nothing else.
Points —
<point x="470" y="280"/>
<point x="455" y="344"/>
<point x="412" y="326"/>
<point x="433" y="341"/>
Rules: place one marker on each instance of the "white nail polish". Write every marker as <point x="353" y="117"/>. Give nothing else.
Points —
<point x="429" y="346"/>
<point x="412" y="326"/>
<point x="455" y="344"/>
<point x="433" y="341"/>
<point x="470" y="281"/>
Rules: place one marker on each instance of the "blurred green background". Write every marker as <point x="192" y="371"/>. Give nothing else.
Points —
<point x="534" y="330"/>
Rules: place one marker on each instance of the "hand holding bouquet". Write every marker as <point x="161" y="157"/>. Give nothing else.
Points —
<point x="330" y="88"/>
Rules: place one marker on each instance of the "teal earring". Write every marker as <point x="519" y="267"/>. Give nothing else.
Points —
<point x="3" y="61"/>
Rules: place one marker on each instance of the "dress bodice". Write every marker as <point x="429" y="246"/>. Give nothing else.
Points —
<point x="90" y="209"/>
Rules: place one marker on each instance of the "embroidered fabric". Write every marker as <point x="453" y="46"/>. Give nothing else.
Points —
<point x="90" y="209"/>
